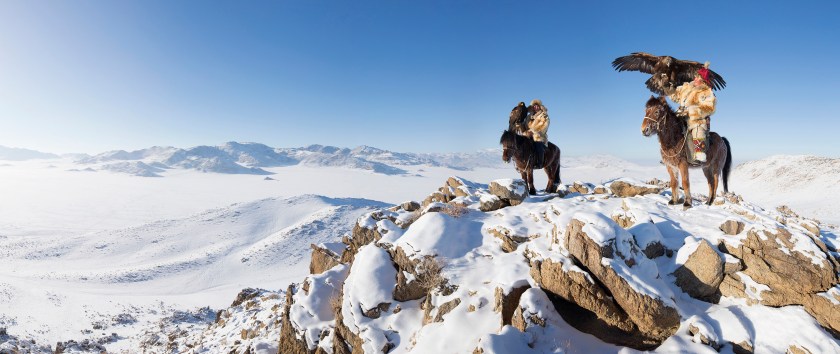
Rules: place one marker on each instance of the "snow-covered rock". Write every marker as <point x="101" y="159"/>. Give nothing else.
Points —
<point x="573" y="280"/>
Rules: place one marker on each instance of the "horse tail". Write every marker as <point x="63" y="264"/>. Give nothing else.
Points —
<point x="727" y="166"/>
<point x="557" y="171"/>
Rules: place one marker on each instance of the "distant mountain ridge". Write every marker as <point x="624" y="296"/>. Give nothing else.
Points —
<point x="252" y="158"/>
<point x="18" y="154"/>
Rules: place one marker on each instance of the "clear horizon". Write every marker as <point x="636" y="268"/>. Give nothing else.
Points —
<point x="95" y="76"/>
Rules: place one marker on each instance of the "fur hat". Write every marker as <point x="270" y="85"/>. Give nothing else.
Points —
<point x="704" y="73"/>
<point x="536" y="101"/>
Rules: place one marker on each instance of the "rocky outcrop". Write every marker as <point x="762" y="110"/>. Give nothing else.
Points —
<point x="825" y="307"/>
<point x="322" y="259"/>
<point x="652" y="316"/>
<point x="490" y="202"/>
<point x="506" y="302"/>
<point x="624" y="189"/>
<point x="794" y="269"/>
<point x="511" y="191"/>
<point x="410" y="206"/>
<point x="732" y="227"/>
<point x="597" y="299"/>
<point x="602" y="274"/>
<point x="509" y="240"/>
<point x="290" y="341"/>
<point x="586" y="305"/>
<point x="701" y="275"/>
<point x="775" y="258"/>
<point x="442" y="310"/>
<point x="362" y="235"/>
<point x="582" y="188"/>
<point x="701" y="334"/>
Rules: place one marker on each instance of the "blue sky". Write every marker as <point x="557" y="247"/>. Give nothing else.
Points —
<point x="418" y="76"/>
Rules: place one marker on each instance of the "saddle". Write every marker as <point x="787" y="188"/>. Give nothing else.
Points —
<point x="688" y="147"/>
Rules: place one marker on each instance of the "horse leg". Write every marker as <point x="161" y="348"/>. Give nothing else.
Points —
<point x="685" y="184"/>
<point x="525" y="178"/>
<point x="711" y="180"/>
<point x="531" y="189"/>
<point x="674" y="193"/>
<point x="551" y="182"/>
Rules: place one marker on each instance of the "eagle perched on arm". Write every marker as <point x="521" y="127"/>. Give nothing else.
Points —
<point x="667" y="72"/>
<point x="518" y="119"/>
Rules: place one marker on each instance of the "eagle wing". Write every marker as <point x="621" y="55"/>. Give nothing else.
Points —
<point x="639" y="61"/>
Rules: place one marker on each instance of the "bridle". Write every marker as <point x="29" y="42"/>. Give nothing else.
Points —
<point x="657" y="113"/>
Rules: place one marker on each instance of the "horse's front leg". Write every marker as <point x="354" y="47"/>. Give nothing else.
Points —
<point x="531" y="189"/>
<point x="711" y="179"/>
<point x="675" y="196"/>
<point x="551" y="182"/>
<point x="525" y="178"/>
<point x="685" y="184"/>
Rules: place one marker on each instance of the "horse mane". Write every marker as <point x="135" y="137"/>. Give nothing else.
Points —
<point x="660" y="101"/>
<point x="653" y="100"/>
<point x="508" y="137"/>
<point x="521" y="143"/>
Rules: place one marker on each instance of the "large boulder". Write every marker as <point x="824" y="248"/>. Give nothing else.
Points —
<point x="490" y="202"/>
<point x="585" y="305"/>
<point x="701" y="274"/>
<point x="790" y="269"/>
<point x="776" y="258"/>
<point x="601" y="297"/>
<point x="650" y="313"/>
<point x="511" y="191"/>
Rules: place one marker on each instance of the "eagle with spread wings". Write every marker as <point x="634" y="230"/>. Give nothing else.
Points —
<point x="667" y="72"/>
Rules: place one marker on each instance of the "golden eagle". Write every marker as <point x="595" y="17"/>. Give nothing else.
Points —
<point x="518" y="119"/>
<point x="667" y="72"/>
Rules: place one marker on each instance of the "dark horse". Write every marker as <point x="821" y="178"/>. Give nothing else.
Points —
<point x="521" y="149"/>
<point x="661" y="120"/>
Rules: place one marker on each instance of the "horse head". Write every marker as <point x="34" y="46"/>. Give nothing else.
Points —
<point x="654" y="113"/>
<point x="508" y="145"/>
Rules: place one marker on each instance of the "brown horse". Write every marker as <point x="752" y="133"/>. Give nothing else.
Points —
<point x="521" y="149"/>
<point x="661" y="120"/>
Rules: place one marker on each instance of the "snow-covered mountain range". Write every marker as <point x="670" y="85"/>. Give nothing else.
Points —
<point x="18" y="154"/>
<point x="252" y="158"/>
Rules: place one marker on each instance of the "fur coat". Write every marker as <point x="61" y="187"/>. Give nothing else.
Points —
<point x="697" y="101"/>
<point x="538" y="124"/>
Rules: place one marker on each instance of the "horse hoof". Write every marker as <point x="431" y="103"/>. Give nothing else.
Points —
<point x="686" y="206"/>
<point x="671" y="202"/>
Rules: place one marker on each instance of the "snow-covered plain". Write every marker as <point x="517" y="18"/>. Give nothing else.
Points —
<point x="90" y="250"/>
